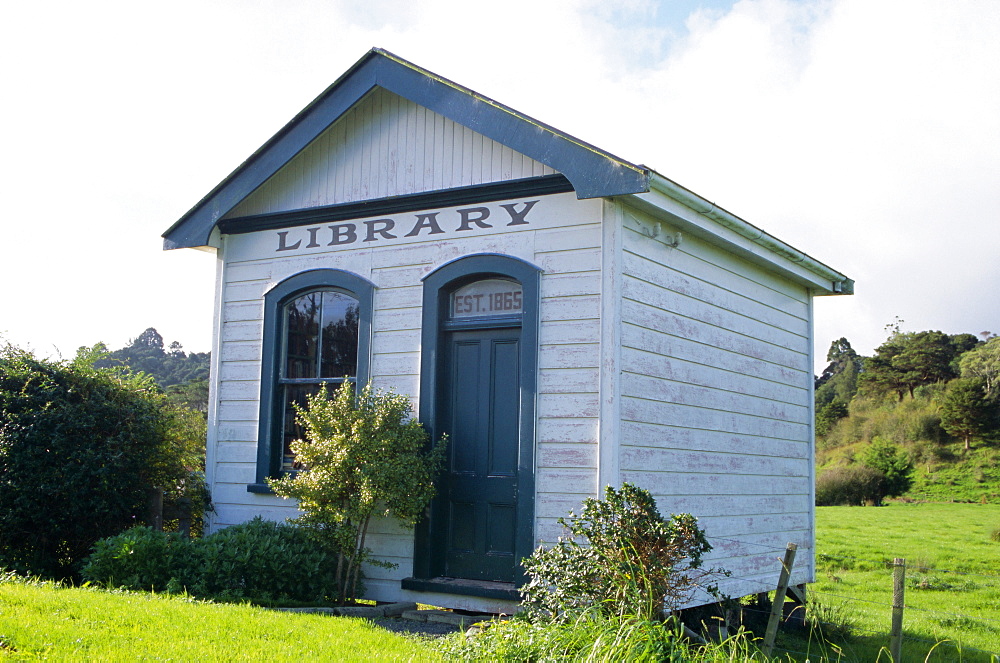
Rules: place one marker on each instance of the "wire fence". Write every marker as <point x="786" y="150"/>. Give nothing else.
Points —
<point x="923" y="578"/>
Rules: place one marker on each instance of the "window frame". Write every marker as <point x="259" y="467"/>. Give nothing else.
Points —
<point x="269" y="426"/>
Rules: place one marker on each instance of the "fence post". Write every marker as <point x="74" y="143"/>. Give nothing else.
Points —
<point x="779" y="599"/>
<point x="898" y="584"/>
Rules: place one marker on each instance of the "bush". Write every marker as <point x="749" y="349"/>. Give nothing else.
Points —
<point x="891" y="461"/>
<point x="258" y="560"/>
<point x="855" y="485"/>
<point x="140" y="558"/>
<point x="80" y="450"/>
<point x="266" y="561"/>
<point x="635" y="563"/>
<point x="364" y="457"/>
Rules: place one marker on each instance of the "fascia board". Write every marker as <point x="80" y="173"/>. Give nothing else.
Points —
<point x="692" y="214"/>
<point x="592" y="172"/>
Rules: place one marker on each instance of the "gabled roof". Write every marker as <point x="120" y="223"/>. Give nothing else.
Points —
<point x="592" y="172"/>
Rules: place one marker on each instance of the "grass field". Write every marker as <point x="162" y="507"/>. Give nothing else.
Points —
<point x="43" y="621"/>
<point x="953" y="578"/>
<point x="952" y="598"/>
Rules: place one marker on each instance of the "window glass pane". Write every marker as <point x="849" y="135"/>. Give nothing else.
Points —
<point x="291" y="430"/>
<point x="487" y="297"/>
<point x="302" y="318"/>
<point x="340" y="336"/>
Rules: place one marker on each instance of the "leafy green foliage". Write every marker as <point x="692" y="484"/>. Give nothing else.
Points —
<point x="623" y="559"/>
<point x="894" y="464"/>
<point x="258" y="560"/>
<point x="983" y="362"/>
<point x="908" y="360"/>
<point x="363" y="457"/>
<point x="140" y="558"/>
<point x="169" y="366"/>
<point x="80" y="450"/>
<point x="967" y="412"/>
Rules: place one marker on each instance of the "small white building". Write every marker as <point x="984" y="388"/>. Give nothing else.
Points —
<point x="572" y="320"/>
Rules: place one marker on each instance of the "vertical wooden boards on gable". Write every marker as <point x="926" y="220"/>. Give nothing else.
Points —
<point x="716" y="392"/>
<point x="386" y="146"/>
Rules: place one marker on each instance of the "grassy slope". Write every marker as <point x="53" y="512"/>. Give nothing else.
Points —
<point x="43" y="621"/>
<point x="953" y="576"/>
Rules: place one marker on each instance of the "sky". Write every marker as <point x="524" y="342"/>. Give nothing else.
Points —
<point x="865" y="133"/>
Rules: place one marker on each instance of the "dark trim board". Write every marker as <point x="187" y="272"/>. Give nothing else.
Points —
<point x="593" y="173"/>
<point x="483" y="193"/>
<point x="438" y="285"/>
<point x="268" y="453"/>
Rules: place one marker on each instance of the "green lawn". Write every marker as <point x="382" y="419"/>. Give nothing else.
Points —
<point x="44" y="621"/>
<point x="953" y="577"/>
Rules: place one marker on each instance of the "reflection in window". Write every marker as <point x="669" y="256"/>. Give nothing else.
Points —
<point x="321" y="346"/>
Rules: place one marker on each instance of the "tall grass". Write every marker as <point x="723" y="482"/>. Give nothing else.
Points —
<point x="594" y="636"/>
<point x="43" y="620"/>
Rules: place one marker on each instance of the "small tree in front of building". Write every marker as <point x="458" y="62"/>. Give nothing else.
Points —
<point x="363" y="457"/>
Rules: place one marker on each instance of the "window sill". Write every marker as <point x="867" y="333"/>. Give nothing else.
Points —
<point x="260" y="489"/>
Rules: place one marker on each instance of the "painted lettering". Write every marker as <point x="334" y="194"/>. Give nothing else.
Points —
<point x="312" y="238"/>
<point x="428" y="220"/>
<point x="517" y="218"/>
<point x="380" y="227"/>
<point x="468" y="219"/>
<point x="420" y="225"/>
<point x="282" y="242"/>
<point x="343" y="233"/>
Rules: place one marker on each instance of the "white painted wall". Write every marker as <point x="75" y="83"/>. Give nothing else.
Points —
<point x="716" y="378"/>
<point x="563" y="237"/>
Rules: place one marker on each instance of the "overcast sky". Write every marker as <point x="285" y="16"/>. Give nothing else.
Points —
<point x="865" y="133"/>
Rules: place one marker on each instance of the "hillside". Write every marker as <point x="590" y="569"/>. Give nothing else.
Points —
<point x="183" y="376"/>
<point x="925" y="409"/>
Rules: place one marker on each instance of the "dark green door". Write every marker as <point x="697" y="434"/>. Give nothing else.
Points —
<point x="481" y="413"/>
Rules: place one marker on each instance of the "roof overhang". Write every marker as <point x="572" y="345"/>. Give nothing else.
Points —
<point x="592" y="172"/>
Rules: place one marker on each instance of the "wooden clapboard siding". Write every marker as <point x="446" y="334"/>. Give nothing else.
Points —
<point x="386" y="146"/>
<point x="716" y="415"/>
<point x="567" y="249"/>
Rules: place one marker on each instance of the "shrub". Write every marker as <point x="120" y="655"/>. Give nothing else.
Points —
<point x="259" y="560"/>
<point x="891" y="461"/>
<point x="140" y="558"/>
<point x="266" y="561"/>
<point x="854" y="485"/>
<point x="634" y="562"/>
<point x="364" y="456"/>
<point x="80" y="449"/>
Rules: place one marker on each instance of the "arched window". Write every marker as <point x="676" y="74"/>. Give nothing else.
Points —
<point x="317" y="329"/>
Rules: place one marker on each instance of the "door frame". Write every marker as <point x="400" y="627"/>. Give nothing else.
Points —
<point x="437" y="287"/>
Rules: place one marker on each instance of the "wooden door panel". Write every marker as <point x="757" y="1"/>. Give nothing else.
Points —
<point x="482" y="408"/>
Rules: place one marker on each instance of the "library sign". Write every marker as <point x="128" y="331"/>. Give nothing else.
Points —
<point x="421" y="225"/>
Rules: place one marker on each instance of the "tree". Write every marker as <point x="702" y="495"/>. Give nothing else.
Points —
<point x="908" y="360"/>
<point x="363" y="456"/>
<point x="983" y="362"/>
<point x="837" y="385"/>
<point x="966" y="412"/>
<point x="891" y="461"/>
<point x="80" y="450"/>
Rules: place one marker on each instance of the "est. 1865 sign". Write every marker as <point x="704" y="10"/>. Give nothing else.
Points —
<point x="488" y="297"/>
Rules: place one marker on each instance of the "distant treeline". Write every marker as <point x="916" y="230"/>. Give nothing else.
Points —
<point x="927" y="401"/>
<point x="183" y="376"/>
